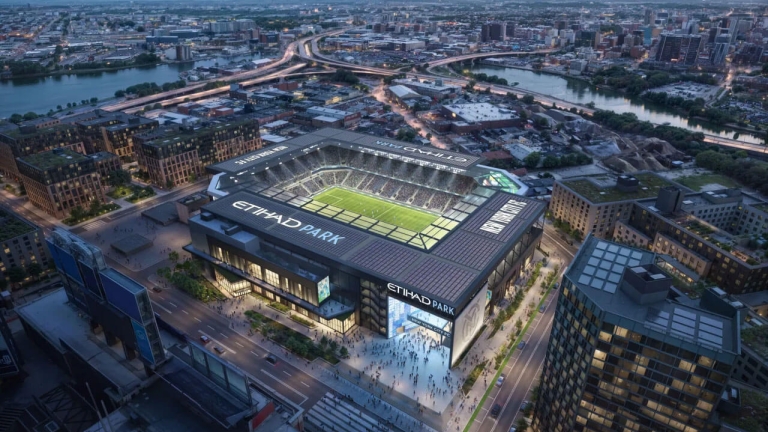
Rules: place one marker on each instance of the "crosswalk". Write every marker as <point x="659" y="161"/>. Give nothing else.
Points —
<point x="93" y="225"/>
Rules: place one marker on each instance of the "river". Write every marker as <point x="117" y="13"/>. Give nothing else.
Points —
<point x="22" y="95"/>
<point x="581" y="92"/>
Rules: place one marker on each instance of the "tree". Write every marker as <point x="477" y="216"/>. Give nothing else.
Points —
<point x="511" y="95"/>
<point x="16" y="274"/>
<point x="95" y="207"/>
<point x="387" y="108"/>
<point x="522" y="425"/>
<point x="169" y="184"/>
<point x="30" y="116"/>
<point x="551" y="162"/>
<point x="16" y="118"/>
<point x="344" y="352"/>
<point x="77" y="214"/>
<point x="94" y="100"/>
<point x="173" y="256"/>
<point x="34" y="270"/>
<point x="470" y="85"/>
<point x="140" y="29"/>
<point x="528" y="99"/>
<point x="119" y="177"/>
<point x="532" y="160"/>
<point x="120" y="93"/>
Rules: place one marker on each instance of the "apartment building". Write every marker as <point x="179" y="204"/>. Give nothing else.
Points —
<point x="112" y="131"/>
<point x="29" y="139"/>
<point x="592" y="205"/>
<point x="21" y="242"/>
<point x="624" y="356"/>
<point x="179" y="155"/>
<point x="59" y="180"/>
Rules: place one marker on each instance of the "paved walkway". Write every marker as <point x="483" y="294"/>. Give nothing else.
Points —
<point x="377" y="366"/>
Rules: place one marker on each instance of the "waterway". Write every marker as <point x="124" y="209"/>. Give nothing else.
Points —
<point x="577" y="91"/>
<point x="22" y="95"/>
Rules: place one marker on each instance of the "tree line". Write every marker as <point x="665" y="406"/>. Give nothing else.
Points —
<point x="692" y="107"/>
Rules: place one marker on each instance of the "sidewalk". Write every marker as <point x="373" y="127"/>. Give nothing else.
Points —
<point x="452" y="413"/>
<point x="319" y="369"/>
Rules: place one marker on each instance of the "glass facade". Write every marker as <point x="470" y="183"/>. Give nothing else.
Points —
<point x="601" y="376"/>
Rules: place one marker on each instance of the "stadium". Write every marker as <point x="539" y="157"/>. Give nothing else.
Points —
<point x="349" y="230"/>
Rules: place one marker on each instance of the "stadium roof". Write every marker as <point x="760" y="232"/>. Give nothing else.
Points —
<point x="451" y="272"/>
<point x="407" y="152"/>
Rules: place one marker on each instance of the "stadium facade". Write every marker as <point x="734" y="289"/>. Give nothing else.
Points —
<point x="265" y="232"/>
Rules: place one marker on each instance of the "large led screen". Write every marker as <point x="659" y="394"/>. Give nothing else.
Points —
<point x="467" y="325"/>
<point x="65" y="262"/>
<point x="404" y="317"/>
<point x="323" y="290"/>
<point x="142" y="342"/>
<point x="91" y="279"/>
<point x="120" y="297"/>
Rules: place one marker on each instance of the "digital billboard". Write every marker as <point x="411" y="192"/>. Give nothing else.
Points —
<point x="403" y="317"/>
<point x="142" y="342"/>
<point x="467" y="325"/>
<point x="91" y="279"/>
<point x="120" y="297"/>
<point x="323" y="290"/>
<point x="65" y="262"/>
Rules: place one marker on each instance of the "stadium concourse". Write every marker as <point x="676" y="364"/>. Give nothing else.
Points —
<point x="403" y="251"/>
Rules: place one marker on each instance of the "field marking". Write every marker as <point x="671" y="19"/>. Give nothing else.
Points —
<point x="287" y="373"/>
<point x="197" y="319"/>
<point x="286" y="385"/>
<point x="305" y="385"/>
<point x="162" y="307"/>
<point x="239" y="344"/>
<point x="217" y="342"/>
<point x="172" y="304"/>
<point x="185" y="311"/>
<point x="211" y="328"/>
<point x="224" y="335"/>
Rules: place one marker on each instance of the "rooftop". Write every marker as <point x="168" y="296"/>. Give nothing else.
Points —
<point x="602" y="189"/>
<point x="53" y="159"/>
<point x="480" y="112"/>
<point x="599" y="272"/>
<point x="11" y="225"/>
<point x="172" y="135"/>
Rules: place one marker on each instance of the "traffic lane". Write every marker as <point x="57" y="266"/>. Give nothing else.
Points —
<point x="196" y="319"/>
<point x="518" y="374"/>
<point x="511" y="411"/>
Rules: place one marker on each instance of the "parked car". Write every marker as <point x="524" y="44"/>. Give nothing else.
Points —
<point x="205" y="339"/>
<point x="524" y="405"/>
<point x="219" y="350"/>
<point x="496" y="410"/>
<point x="157" y="289"/>
<point x="500" y="381"/>
<point x="521" y="345"/>
<point x="272" y="359"/>
<point x="542" y="309"/>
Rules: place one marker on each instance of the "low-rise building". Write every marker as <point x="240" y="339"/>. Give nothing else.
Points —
<point x="435" y="89"/>
<point x="483" y="115"/>
<point x="112" y="131"/>
<point x="177" y="156"/>
<point x="59" y="180"/>
<point x="21" y="242"/>
<point x="29" y="139"/>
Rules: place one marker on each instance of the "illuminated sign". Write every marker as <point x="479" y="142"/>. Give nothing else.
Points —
<point x="422" y="151"/>
<point x="142" y="342"/>
<point x="323" y="290"/>
<point x="258" y="156"/>
<point x="288" y="222"/>
<point x="411" y="295"/>
<point x="504" y="216"/>
<point x="429" y="326"/>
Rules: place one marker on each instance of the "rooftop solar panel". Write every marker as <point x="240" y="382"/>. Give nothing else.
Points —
<point x="711" y="322"/>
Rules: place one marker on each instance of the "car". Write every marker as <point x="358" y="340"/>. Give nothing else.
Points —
<point x="205" y="339"/>
<point x="500" y="381"/>
<point x="157" y="289"/>
<point x="524" y="405"/>
<point x="513" y="429"/>
<point x="496" y="410"/>
<point x="219" y="350"/>
<point x="521" y="345"/>
<point x="542" y="308"/>
<point x="272" y="359"/>
<point x="557" y="285"/>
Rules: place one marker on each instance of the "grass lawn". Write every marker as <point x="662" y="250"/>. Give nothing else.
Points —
<point x="376" y="208"/>
<point x="120" y="192"/>
<point x="697" y="182"/>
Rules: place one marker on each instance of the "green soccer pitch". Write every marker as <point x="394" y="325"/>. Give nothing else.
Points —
<point x="376" y="208"/>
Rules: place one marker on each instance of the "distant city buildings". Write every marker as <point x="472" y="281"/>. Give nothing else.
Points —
<point x="681" y="49"/>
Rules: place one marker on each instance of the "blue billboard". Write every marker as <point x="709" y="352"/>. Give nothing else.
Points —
<point x="323" y="290"/>
<point x="120" y="297"/>
<point x="65" y="262"/>
<point x="91" y="279"/>
<point x="142" y="342"/>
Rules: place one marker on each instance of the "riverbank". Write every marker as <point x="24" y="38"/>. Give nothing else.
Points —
<point x="85" y="71"/>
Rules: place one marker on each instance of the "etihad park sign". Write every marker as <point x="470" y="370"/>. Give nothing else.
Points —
<point x="288" y="222"/>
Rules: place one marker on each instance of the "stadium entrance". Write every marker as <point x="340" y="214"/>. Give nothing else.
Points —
<point x="405" y="318"/>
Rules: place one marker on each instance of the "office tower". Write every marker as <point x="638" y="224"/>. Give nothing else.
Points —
<point x="623" y="356"/>
<point x="650" y="17"/>
<point x="720" y="50"/>
<point x="495" y="31"/>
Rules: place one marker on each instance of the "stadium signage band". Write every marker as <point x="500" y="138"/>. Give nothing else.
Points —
<point x="421" y="151"/>
<point x="504" y="216"/>
<point x="288" y="222"/>
<point x="258" y="156"/>
<point x="426" y="301"/>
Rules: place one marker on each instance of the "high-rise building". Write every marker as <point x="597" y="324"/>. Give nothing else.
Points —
<point x="21" y="242"/>
<point x="624" y="355"/>
<point x="183" y="52"/>
<point x="681" y="49"/>
<point x="176" y="156"/>
<point x="494" y="31"/>
<point x="720" y="51"/>
<point x="59" y="180"/>
<point x="650" y="17"/>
